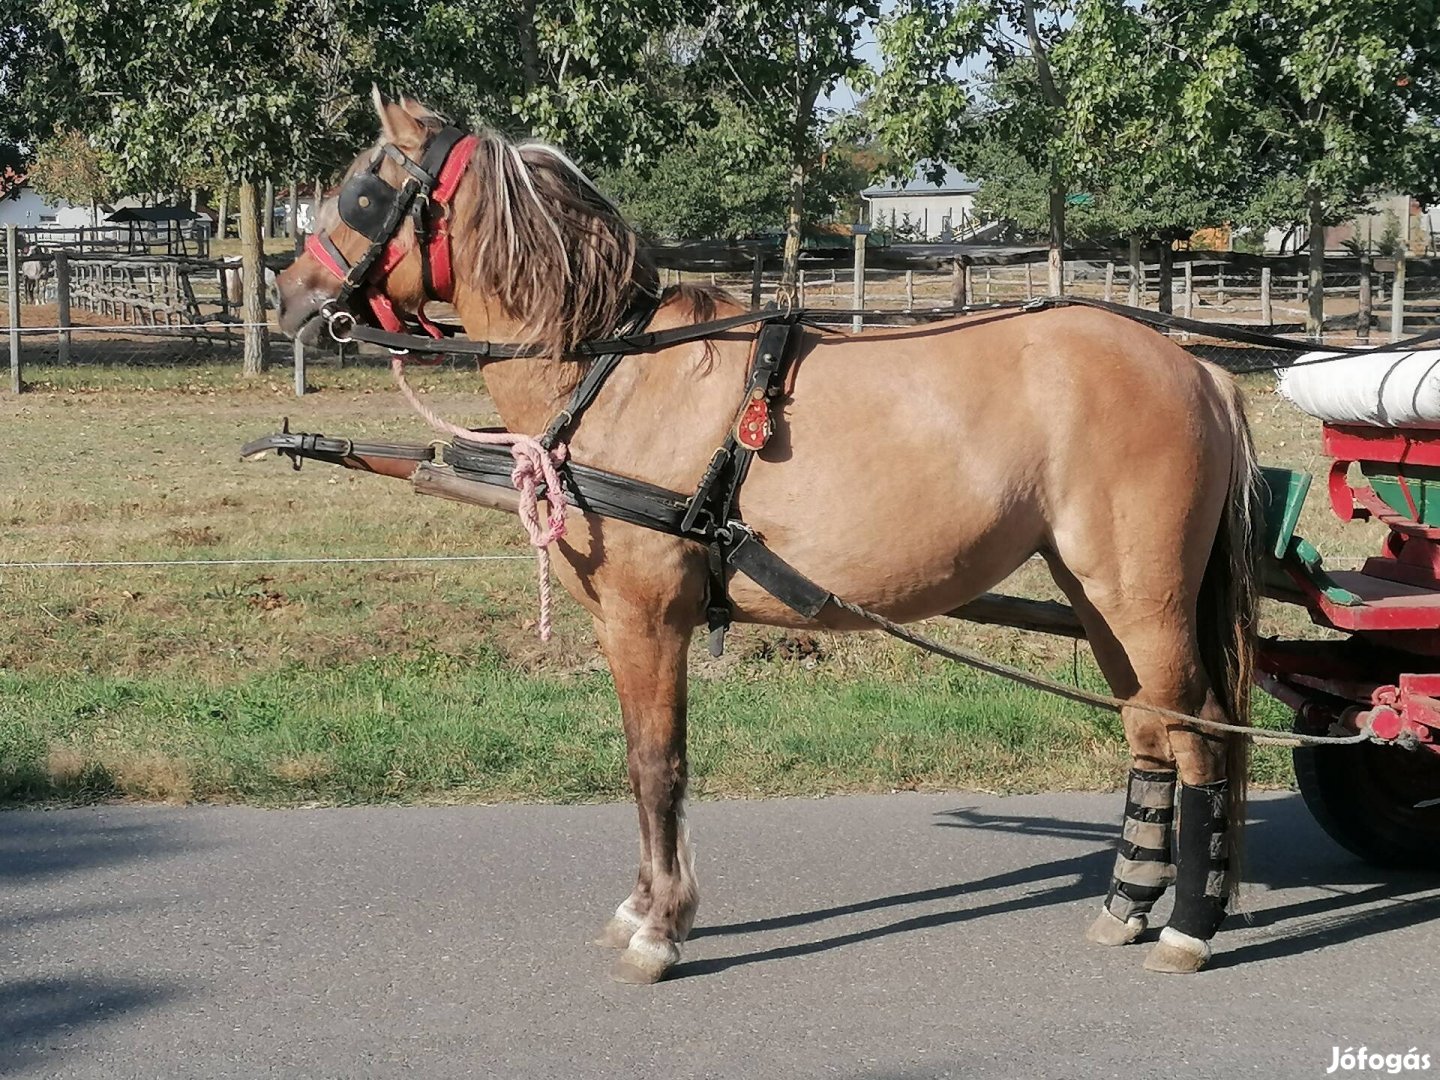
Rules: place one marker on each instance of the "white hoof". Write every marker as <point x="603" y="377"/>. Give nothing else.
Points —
<point x="646" y="960"/>
<point x="1109" y="930"/>
<point x="1178" y="954"/>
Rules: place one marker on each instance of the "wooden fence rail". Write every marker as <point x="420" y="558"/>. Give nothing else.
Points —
<point x="177" y="292"/>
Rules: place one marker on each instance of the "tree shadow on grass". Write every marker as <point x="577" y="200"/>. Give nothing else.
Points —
<point x="1286" y="850"/>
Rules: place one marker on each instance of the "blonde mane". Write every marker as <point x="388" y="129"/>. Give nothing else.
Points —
<point x="536" y="234"/>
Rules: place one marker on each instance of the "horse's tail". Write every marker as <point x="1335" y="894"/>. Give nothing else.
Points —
<point x="1228" y="608"/>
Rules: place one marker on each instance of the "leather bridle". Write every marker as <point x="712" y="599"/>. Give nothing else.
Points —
<point x="371" y="206"/>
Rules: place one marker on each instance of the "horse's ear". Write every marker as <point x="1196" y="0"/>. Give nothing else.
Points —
<point x="396" y="124"/>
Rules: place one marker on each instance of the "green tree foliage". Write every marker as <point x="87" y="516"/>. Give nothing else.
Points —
<point x="722" y="184"/>
<point x="1330" y="101"/>
<point x="778" y="60"/>
<point x="68" y="166"/>
<point x="38" y="79"/>
<point x="606" y="79"/>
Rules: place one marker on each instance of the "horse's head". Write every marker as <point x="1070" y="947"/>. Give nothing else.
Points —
<point x="363" y="235"/>
<point x="517" y="234"/>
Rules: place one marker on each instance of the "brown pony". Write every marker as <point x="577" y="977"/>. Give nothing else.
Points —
<point x="910" y="470"/>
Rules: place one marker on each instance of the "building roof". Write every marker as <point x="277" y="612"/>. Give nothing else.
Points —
<point x="953" y="182"/>
<point x="153" y="213"/>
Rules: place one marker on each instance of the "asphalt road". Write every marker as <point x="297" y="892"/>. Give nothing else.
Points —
<point x="879" y="937"/>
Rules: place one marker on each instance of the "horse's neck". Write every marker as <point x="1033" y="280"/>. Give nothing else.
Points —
<point x="661" y="414"/>
<point x="527" y="391"/>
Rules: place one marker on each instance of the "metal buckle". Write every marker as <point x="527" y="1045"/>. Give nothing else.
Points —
<point x="337" y="317"/>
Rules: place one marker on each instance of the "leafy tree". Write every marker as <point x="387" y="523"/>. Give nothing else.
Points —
<point x="67" y="166"/>
<point x="933" y="107"/>
<point x="607" y="79"/>
<point x="1329" y="100"/>
<point x="38" y="80"/>
<point x="779" y="59"/>
<point x="1080" y="97"/>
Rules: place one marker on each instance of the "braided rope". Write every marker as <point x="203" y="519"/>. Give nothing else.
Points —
<point x="533" y="463"/>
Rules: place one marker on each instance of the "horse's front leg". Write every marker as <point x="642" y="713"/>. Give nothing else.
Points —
<point x="647" y="658"/>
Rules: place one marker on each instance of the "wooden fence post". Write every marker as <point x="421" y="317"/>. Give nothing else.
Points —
<point x="858" y="293"/>
<point x="62" y="302"/>
<point x="1267" y="310"/>
<point x="909" y="290"/>
<point x="1220" y="286"/>
<point x="1137" y="281"/>
<point x="799" y="287"/>
<point x="1397" y="300"/>
<point x="1189" y="306"/>
<point x="1029" y="281"/>
<point x="1109" y="281"/>
<point x="987" y="284"/>
<point x="292" y="210"/>
<point x="1362" y="324"/>
<point x="958" y="296"/>
<point x="299" y="368"/>
<point x="12" y="297"/>
<point x="756" y="270"/>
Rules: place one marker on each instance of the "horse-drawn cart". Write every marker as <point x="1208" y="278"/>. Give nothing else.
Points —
<point x="1381" y="672"/>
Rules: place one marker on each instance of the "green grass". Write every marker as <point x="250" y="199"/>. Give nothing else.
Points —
<point x="447" y="728"/>
<point x="336" y="684"/>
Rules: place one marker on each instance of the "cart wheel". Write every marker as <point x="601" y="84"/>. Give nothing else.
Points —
<point x="1365" y="797"/>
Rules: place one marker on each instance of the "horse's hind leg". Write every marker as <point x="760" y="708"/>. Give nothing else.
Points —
<point x="648" y="663"/>
<point x="1149" y="656"/>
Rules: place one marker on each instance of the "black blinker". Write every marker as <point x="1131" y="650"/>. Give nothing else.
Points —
<point x="365" y="203"/>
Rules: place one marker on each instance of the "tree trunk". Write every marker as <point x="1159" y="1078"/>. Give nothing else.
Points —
<point x="1315" y="315"/>
<point x="252" y="274"/>
<point x="222" y="226"/>
<point x="1057" y="241"/>
<point x="794" y="226"/>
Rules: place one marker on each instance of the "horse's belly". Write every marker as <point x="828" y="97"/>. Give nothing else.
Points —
<point x="906" y="562"/>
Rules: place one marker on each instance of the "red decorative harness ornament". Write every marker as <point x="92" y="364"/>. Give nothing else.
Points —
<point x="754" y="427"/>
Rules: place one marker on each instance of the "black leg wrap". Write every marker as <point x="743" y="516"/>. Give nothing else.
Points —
<point x="1142" y="861"/>
<point x="1201" y="859"/>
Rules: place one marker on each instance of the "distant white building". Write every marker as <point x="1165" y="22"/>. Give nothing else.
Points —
<point x="922" y="209"/>
<point x="29" y="209"/>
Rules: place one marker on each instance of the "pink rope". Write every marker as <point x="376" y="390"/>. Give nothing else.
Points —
<point x="533" y="463"/>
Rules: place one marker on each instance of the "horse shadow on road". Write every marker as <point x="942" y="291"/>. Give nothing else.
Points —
<point x="47" y="1001"/>
<point x="1285" y="850"/>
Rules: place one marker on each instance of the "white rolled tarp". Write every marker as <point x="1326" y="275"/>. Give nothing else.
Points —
<point x="1376" y="389"/>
